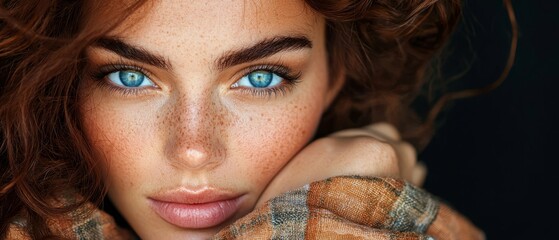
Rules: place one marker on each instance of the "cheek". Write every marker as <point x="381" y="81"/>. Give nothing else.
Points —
<point x="118" y="138"/>
<point x="273" y="135"/>
<point x="270" y="137"/>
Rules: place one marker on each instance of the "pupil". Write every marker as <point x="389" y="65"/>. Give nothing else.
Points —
<point x="260" y="79"/>
<point x="131" y="78"/>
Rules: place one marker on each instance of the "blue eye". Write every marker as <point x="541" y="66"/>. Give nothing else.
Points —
<point x="259" y="79"/>
<point x="129" y="79"/>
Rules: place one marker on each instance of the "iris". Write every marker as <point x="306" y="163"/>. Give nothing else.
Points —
<point x="131" y="78"/>
<point x="260" y="79"/>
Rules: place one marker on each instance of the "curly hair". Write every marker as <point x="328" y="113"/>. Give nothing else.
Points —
<point x="383" y="47"/>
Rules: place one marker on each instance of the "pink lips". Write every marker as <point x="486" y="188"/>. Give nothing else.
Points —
<point x="195" y="208"/>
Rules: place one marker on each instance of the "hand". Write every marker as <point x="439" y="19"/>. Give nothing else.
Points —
<point x="374" y="150"/>
<point x="410" y="170"/>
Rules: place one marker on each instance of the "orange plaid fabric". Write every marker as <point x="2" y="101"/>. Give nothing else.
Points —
<point x="348" y="207"/>
<point x="353" y="207"/>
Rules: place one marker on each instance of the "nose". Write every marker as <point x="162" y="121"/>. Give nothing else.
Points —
<point x="196" y="130"/>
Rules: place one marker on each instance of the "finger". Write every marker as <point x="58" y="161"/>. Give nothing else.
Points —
<point x="407" y="158"/>
<point x="405" y="152"/>
<point x="355" y="132"/>
<point x="381" y="131"/>
<point x="385" y="130"/>
<point x="419" y="174"/>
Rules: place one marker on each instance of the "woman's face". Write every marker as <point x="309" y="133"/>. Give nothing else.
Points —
<point x="194" y="106"/>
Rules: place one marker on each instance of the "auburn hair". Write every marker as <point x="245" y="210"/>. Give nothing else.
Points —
<point x="383" y="47"/>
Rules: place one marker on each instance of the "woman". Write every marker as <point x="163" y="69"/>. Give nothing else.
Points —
<point x="190" y="115"/>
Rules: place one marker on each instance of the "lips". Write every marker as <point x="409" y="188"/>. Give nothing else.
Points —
<point x="195" y="209"/>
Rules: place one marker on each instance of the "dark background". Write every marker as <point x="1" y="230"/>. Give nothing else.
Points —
<point x="492" y="156"/>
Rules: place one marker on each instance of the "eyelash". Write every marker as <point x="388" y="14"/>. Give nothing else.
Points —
<point x="101" y="73"/>
<point x="290" y="79"/>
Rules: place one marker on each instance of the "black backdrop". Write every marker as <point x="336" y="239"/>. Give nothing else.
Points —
<point x="492" y="156"/>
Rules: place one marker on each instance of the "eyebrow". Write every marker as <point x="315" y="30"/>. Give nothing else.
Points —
<point x="262" y="49"/>
<point x="132" y="52"/>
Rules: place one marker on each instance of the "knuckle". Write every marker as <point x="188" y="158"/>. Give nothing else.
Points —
<point x="374" y="146"/>
<point x="365" y="142"/>
<point x="407" y="148"/>
<point x="387" y="157"/>
<point x="361" y="155"/>
<point x="325" y="143"/>
<point x="386" y="129"/>
<point x="382" y="154"/>
<point x="384" y="149"/>
<point x="347" y="133"/>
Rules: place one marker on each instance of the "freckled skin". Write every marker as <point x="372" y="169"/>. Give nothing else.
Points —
<point x="194" y="129"/>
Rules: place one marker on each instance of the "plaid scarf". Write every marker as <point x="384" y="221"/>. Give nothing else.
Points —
<point x="348" y="207"/>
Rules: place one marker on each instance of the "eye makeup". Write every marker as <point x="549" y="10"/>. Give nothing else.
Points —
<point x="101" y="76"/>
<point x="288" y="79"/>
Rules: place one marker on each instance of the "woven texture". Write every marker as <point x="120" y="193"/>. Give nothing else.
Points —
<point x="84" y="223"/>
<point x="348" y="207"/>
<point x="353" y="208"/>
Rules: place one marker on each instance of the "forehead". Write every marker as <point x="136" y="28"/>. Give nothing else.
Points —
<point x="218" y="21"/>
